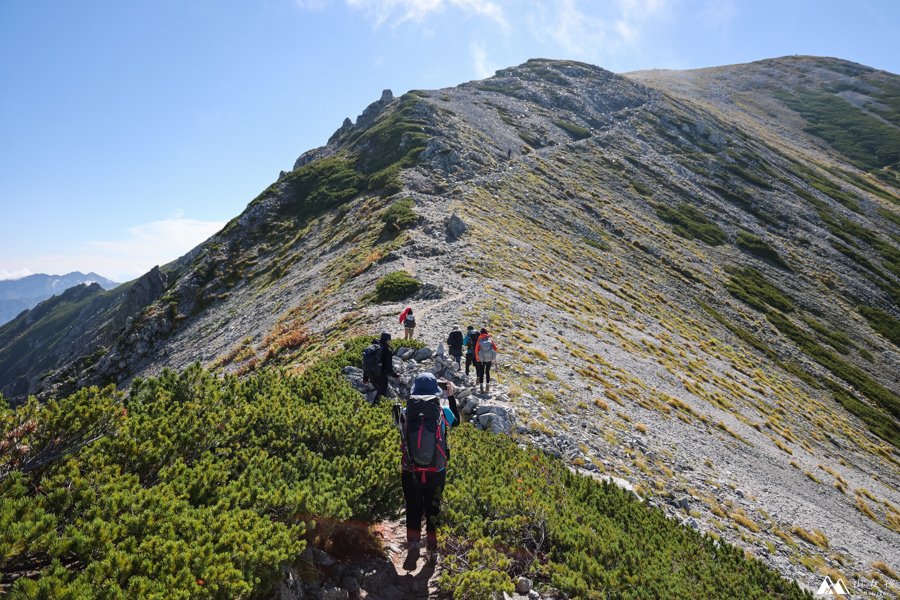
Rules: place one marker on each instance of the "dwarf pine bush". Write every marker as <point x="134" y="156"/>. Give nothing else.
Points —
<point x="201" y="488"/>
<point x="399" y="215"/>
<point x="511" y="511"/>
<point x="394" y="286"/>
<point x="194" y="485"/>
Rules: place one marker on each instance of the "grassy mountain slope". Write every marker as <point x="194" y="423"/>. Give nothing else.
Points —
<point x="693" y="285"/>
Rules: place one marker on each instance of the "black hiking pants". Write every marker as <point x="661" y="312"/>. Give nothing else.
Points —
<point x="470" y="358"/>
<point x="483" y="370"/>
<point x="381" y="387"/>
<point x="423" y="499"/>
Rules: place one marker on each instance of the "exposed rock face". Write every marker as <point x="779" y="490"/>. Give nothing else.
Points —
<point x="316" y="153"/>
<point x="367" y="118"/>
<point x="146" y="290"/>
<point x="346" y="126"/>
<point x="455" y="228"/>
<point x="375" y="109"/>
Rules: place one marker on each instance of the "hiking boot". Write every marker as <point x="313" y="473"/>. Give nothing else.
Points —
<point x="412" y="557"/>
<point x="480" y="389"/>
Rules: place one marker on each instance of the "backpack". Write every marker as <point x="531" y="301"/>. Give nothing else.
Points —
<point x="488" y="354"/>
<point x="410" y="321"/>
<point x="455" y="340"/>
<point x="425" y="436"/>
<point x="471" y="340"/>
<point x="372" y="365"/>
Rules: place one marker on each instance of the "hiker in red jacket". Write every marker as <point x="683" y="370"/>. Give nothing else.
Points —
<point x="409" y="323"/>
<point x="485" y="354"/>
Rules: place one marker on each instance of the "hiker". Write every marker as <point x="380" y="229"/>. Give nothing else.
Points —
<point x="455" y="344"/>
<point x="424" y="426"/>
<point x="485" y="354"/>
<point x="409" y="323"/>
<point x="378" y="364"/>
<point x="469" y="342"/>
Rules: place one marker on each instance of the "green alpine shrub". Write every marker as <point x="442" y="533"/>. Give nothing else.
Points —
<point x="198" y="486"/>
<point x="690" y="223"/>
<point x="399" y="215"/>
<point x="396" y="286"/>
<point x="510" y="511"/>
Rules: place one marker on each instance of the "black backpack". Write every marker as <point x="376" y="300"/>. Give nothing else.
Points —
<point x="471" y="340"/>
<point x="371" y="361"/>
<point x="425" y="431"/>
<point x="410" y="321"/>
<point x="455" y="339"/>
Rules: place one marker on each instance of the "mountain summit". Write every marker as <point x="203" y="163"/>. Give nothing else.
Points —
<point x="692" y="277"/>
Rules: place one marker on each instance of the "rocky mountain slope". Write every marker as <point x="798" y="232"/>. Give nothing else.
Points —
<point x="24" y="293"/>
<point x="692" y="278"/>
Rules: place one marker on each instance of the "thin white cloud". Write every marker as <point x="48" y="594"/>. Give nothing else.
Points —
<point x="718" y="14"/>
<point x="14" y="274"/>
<point x="594" y="30"/>
<point x="138" y="250"/>
<point x="312" y="4"/>
<point x="396" y="12"/>
<point x="157" y="242"/>
<point x="480" y="61"/>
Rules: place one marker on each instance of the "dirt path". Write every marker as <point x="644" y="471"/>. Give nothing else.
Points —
<point x="402" y="577"/>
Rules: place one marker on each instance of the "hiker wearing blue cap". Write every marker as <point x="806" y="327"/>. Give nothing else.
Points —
<point x="424" y="425"/>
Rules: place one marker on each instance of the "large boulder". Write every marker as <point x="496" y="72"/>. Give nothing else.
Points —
<point x="455" y="228"/>
<point x="494" y="418"/>
<point x="354" y="376"/>
<point x="466" y="402"/>
<point x="422" y="354"/>
<point x="444" y="367"/>
<point x="398" y="365"/>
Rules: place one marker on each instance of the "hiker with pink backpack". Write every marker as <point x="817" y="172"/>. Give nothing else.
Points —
<point x="423" y="426"/>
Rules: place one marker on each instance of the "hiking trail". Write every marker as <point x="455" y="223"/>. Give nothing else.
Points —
<point x="391" y="579"/>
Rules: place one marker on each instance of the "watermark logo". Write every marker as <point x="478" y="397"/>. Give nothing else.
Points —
<point x="830" y="589"/>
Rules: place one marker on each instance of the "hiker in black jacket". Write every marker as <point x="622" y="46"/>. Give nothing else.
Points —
<point x="380" y="383"/>
<point x="455" y="344"/>
<point x="469" y="342"/>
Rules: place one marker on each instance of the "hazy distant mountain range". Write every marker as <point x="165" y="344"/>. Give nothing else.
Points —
<point x="17" y="295"/>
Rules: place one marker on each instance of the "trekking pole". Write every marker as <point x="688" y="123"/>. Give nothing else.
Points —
<point x="397" y="414"/>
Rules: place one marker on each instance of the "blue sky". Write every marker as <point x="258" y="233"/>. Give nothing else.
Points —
<point x="131" y="131"/>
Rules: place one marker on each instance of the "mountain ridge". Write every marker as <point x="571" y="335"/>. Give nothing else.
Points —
<point x="705" y="271"/>
<point x="26" y="292"/>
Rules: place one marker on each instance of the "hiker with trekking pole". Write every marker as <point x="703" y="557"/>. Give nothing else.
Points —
<point x="485" y="355"/>
<point x="423" y="427"/>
